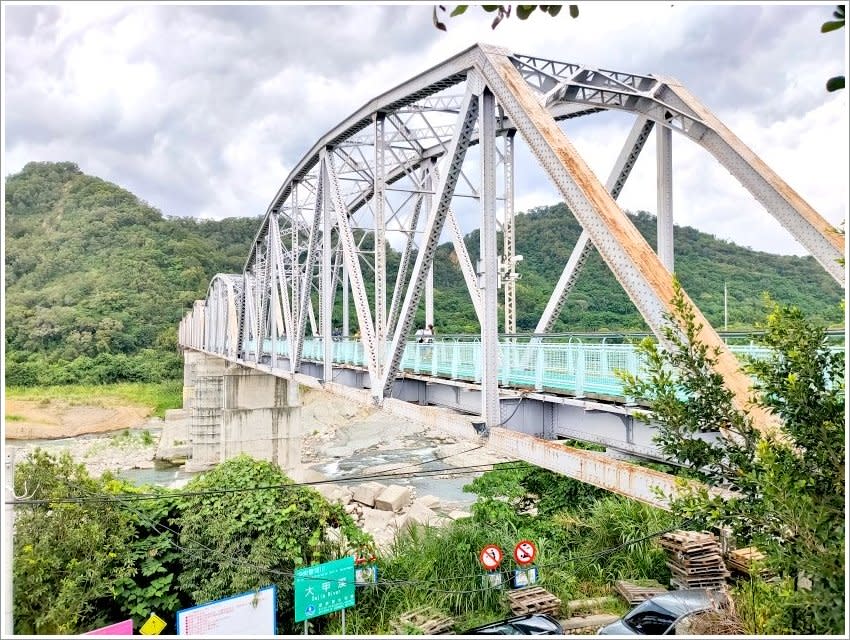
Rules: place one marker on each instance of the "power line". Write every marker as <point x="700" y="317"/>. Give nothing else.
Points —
<point x="232" y="560"/>
<point x="391" y="474"/>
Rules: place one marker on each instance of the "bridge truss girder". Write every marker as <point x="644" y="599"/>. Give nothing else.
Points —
<point x="369" y="179"/>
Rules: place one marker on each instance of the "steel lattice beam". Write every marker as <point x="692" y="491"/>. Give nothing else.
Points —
<point x="630" y="258"/>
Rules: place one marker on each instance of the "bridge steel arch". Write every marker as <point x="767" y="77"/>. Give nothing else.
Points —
<point x="396" y="169"/>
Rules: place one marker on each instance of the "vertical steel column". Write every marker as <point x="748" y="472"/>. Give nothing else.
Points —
<point x="380" y="241"/>
<point x="664" y="157"/>
<point x="262" y="267"/>
<point x="275" y="292"/>
<point x="345" y="328"/>
<point x="429" y="296"/>
<point x="327" y="295"/>
<point x="489" y="279"/>
<point x="509" y="235"/>
<point x="429" y="281"/>
<point x="294" y="266"/>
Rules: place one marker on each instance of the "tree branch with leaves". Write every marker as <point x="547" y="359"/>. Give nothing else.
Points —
<point x="836" y="82"/>
<point x="502" y="11"/>
<point x="789" y="487"/>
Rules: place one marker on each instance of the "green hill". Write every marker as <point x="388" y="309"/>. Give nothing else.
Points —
<point x="545" y="237"/>
<point x="97" y="280"/>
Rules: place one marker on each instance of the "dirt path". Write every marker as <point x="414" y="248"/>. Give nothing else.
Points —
<point x="42" y="419"/>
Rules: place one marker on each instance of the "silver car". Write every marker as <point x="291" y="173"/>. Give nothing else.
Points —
<point x="661" y="614"/>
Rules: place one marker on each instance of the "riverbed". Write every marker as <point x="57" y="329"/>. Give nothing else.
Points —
<point x="343" y="440"/>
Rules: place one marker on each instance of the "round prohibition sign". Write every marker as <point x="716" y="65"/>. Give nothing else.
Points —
<point x="490" y="557"/>
<point x="525" y="552"/>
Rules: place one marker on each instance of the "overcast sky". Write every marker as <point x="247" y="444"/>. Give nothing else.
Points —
<point x="202" y="110"/>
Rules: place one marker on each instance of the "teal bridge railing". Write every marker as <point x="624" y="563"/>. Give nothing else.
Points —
<point x="572" y="367"/>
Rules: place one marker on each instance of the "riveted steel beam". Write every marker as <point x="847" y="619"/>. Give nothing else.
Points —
<point x="467" y="116"/>
<point x="616" y="180"/>
<point x="489" y="279"/>
<point x="630" y="258"/>
<point x="664" y="212"/>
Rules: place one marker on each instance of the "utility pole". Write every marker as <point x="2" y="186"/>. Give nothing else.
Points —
<point x="8" y="546"/>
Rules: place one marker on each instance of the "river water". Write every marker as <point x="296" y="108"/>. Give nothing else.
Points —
<point x="112" y="451"/>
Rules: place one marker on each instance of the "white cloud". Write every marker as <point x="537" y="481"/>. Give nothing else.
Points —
<point x="203" y="110"/>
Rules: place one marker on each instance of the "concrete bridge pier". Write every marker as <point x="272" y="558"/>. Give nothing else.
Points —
<point x="236" y="409"/>
<point x="191" y="361"/>
<point x="206" y="402"/>
<point x="261" y="417"/>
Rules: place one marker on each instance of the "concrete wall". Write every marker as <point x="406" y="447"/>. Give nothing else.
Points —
<point x="191" y="359"/>
<point x="205" y="426"/>
<point x="236" y="409"/>
<point x="260" y="417"/>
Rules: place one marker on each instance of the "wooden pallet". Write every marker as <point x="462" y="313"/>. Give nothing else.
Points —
<point x="635" y="593"/>
<point x="742" y="560"/>
<point x="424" y="619"/>
<point x="717" y="571"/>
<point x="702" y="583"/>
<point x="533" y="600"/>
<point x="691" y="542"/>
<point x="706" y="560"/>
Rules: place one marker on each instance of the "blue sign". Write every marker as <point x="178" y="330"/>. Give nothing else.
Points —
<point x="525" y="577"/>
<point x="324" y="588"/>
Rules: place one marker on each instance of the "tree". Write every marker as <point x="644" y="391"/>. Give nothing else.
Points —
<point x="68" y="557"/>
<point x="523" y="11"/>
<point x="836" y="82"/>
<point x="789" y="486"/>
<point x="235" y="541"/>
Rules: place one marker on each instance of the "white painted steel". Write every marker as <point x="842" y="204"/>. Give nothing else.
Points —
<point x="490" y="277"/>
<point x="664" y="174"/>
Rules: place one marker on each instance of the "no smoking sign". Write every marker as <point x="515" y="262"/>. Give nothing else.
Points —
<point x="490" y="557"/>
<point x="525" y="552"/>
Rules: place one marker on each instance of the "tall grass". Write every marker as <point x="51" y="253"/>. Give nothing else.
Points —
<point x="602" y="541"/>
<point x="157" y="396"/>
<point x="434" y="568"/>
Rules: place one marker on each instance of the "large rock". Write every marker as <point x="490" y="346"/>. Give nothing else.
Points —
<point x="334" y="494"/>
<point x="419" y="514"/>
<point x="378" y="523"/>
<point x="393" y="498"/>
<point x="174" y="437"/>
<point x="457" y="515"/>
<point x="431" y="502"/>
<point x="367" y="492"/>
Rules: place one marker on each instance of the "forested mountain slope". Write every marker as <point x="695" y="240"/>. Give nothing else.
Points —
<point x="545" y="237"/>
<point x="97" y="280"/>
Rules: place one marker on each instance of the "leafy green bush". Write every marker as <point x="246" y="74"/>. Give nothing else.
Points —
<point x="243" y="539"/>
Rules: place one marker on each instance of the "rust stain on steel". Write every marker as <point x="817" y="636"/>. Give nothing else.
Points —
<point x="618" y="476"/>
<point x="643" y="257"/>
<point x="783" y="188"/>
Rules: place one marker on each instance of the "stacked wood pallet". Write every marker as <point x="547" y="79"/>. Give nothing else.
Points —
<point x="635" y="593"/>
<point x="533" y="600"/>
<point x="425" y="620"/>
<point x="742" y="560"/>
<point x="695" y="560"/>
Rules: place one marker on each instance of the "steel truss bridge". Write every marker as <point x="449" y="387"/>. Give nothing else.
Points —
<point x="395" y="172"/>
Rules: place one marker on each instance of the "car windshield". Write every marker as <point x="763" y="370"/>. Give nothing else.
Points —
<point x="498" y="630"/>
<point x="649" y="618"/>
<point x="536" y="626"/>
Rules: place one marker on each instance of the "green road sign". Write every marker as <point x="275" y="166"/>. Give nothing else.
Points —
<point x="324" y="588"/>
